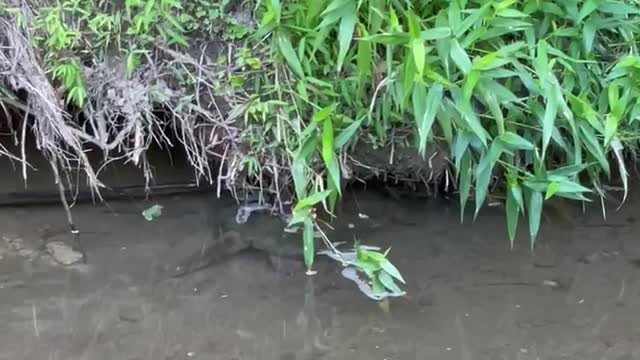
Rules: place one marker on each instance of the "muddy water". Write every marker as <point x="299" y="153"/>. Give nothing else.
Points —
<point x="469" y="296"/>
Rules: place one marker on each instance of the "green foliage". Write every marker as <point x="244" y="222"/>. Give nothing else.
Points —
<point x="538" y="97"/>
<point x="537" y="93"/>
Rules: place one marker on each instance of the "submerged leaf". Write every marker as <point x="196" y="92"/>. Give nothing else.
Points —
<point x="308" y="243"/>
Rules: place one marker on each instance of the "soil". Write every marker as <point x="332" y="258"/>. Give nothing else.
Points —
<point x="470" y="296"/>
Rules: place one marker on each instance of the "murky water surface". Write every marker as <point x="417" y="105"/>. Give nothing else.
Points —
<point x="469" y="296"/>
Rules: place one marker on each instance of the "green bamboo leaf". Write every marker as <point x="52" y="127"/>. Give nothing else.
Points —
<point x="589" y="29"/>
<point x="390" y="269"/>
<point x="541" y="63"/>
<point x="364" y="57"/>
<point x="425" y="110"/>
<point x="329" y="155"/>
<point x="552" y="188"/>
<point x="308" y="243"/>
<point x="568" y="171"/>
<point x="484" y="172"/>
<point x="333" y="6"/>
<point x="324" y="113"/>
<point x="388" y="282"/>
<point x="483" y="178"/>
<point x="314" y="8"/>
<point x="513" y="212"/>
<point x="419" y="54"/>
<point x="470" y="117"/>
<point x="594" y="147"/>
<point x="617" y="147"/>
<point x="548" y="122"/>
<point x="435" y="33"/>
<point x="345" y="33"/>
<point x="588" y="7"/>
<point x="464" y="173"/>
<point x="289" y="54"/>
<point x="469" y="84"/>
<point x="515" y="141"/>
<point x="347" y="133"/>
<point x="460" y="57"/>
<point x="534" y="206"/>
<point x="312" y="200"/>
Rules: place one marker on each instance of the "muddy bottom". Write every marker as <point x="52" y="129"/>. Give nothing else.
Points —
<point x="469" y="296"/>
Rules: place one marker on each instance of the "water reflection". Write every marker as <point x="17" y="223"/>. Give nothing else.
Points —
<point x="469" y="295"/>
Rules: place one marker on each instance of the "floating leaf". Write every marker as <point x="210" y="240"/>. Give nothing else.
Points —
<point x="152" y="212"/>
<point x="388" y="282"/>
<point x="388" y="267"/>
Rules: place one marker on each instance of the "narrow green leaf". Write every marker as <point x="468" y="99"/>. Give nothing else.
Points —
<point x="308" y="243"/>
<point x="347" y="133"/>
<point x="425" y="110"/>
<point x="345" y="34"/>
<point x="617" y="147"/>
<point x="513" y="212"/>
<point x="535" y="213"/>
<point x="312" y="200"/>
<point x="364" y="57"/>
<point x="329" y="155"/>
<point x="324" y="113"/>
<point x="388" y="282"/>
<point x="419" y="54"/>
<point x="541" y="63"/>
<point x="464" y="173"/>
<point x="289" y="54"/>
<point x="388" y="267"/>
<point x="515" y="141"/>
<point x="469" y="84"/>
<point x="435" y="33"/>
<point x="552" y="188"/>
<point x="460" y="57"/>
<point x="594" y="147"/>
<point x="549" y="119"/>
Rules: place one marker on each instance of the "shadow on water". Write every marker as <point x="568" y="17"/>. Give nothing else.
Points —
<point x="469" y="295"/>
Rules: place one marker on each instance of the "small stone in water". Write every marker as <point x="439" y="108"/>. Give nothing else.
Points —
<point x="62" y="253"/>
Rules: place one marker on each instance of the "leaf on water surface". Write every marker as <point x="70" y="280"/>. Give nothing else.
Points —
<point x="152" y="212"/>
<point x="388" y="267"/>
<point x="388" y="282"/>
